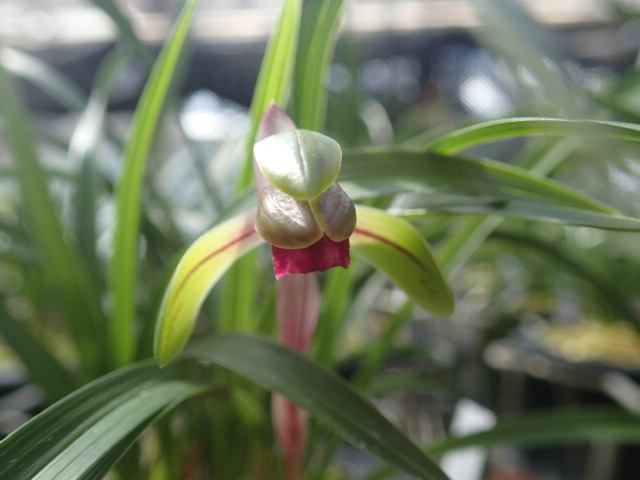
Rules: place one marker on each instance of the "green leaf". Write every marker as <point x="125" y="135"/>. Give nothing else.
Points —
<point x="578" y="425"/>
<point x="60" y="263"/>
<point x="321" y="393"/>
<point x="83" y="435"/>
<point x="478" y="177"/>
<point x="43" y="367"/>
<point x="48" y="79"/>
<point x="202" y="265"/>
<point x="274" y="79"/>
<point x="127" y="32"/>
<point x="319" y="24"/>
<point x="533" y="210"/>
<point x="519" y="127"/>
<point x="83" y="148"/>
<point x="396" y="248"/>
<point x="129" y="190"/>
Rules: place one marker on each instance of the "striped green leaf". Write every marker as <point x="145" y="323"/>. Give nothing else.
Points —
<point x="83" y="435"/>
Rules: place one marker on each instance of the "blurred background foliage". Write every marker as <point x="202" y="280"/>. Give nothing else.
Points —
<point x="547" y="314"/>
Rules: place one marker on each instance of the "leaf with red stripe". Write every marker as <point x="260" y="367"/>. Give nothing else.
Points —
<point x="202" y="265"/>
<point x="393" y="246"/>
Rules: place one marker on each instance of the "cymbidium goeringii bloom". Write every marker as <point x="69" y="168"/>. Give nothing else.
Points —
<point x="302" y="212"/>
<point x="311" y="225"/>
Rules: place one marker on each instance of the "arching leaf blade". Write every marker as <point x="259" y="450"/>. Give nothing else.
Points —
<point x="85" y="433"/>
<point x="459" y="174"/>
<point x="566" y="426"/>
<point x="504" y="129"/>
<point x="321" y="393"/>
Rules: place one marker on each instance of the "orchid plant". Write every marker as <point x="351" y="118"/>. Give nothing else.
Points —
<point x="221" y="400"/>
<point x="311" y="225"/>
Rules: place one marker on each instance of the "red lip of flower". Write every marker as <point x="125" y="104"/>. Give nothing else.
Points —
<point x="311" y="224"/>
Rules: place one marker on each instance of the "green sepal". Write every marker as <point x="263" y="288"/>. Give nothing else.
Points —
<point x="393" y="246"/>
<point x="201" y="266"/>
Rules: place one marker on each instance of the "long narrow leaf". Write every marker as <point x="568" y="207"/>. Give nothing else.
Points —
<point x="579" y="425"/>
<point x="129" y="190"/>
<point x="274" y="79"/>
<point x="459" y="174"/>
<point x="324" y="395"/>
<point x="519" y="127"/>
<point x="273" y="85"/>
<point x="60" y="263"/>
<point x="319" y="24"/>
<point x="43" y="368"/>
<point x="127" y="32"/>
<point x="520" y="209"/>
<point x="84" y="434"/>
<point x="83" y="148"/>
<point x="45" y="77"/>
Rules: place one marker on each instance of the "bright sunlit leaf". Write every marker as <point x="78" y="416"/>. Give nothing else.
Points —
<point x="200" y="268"/>
<point x="395" y="247"/>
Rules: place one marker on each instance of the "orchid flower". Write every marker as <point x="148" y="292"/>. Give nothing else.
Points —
<point x="311" y="225"/>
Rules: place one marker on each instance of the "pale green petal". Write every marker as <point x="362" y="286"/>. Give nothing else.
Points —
<point x="301" y="163"/>
<point x="200" y="268"/>
<point x="393" y="246"/>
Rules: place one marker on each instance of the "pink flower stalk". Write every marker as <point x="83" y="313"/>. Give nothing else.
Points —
<point x="308" y="234"/>
<point x="291" y="425"/>
<point x="297" y="309"/>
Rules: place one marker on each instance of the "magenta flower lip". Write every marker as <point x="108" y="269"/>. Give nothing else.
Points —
<point x="321" y="256"/>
